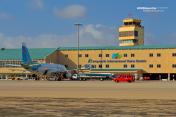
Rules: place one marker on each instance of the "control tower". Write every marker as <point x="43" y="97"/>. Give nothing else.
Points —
<point x="131" y="33"/>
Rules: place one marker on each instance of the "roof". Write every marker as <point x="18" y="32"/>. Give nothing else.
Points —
<point x="131" y="20"/>
<point x="15" y="54"/>
<point x="119" y="47"/>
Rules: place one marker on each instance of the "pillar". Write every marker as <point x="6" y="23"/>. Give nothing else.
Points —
<point x="168" y="78"/>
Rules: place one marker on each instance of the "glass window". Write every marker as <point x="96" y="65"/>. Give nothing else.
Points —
<point x="132" y="55"/>
<point x="86" y="55"/>
<point x="126" y="33"/>
<point x="125" y="55"/>
<point x="100" y="66"/>
<point x="158" y="54"/>
<point x="132" y="65"/>
<point x="158" y="65"/>
<point x="136" y="33"/>
<point x="150" y="65"/>
<point x="66" y="56"/>
<point x="174" y="65"/>
<point x="151" y="54"/>
<point x="125" y="66"/>
<point x="100" y="55"/>
<point x="126" y="41"/>
<point x="174" y="54"/>
<point x="80" y="55"/>
<point x="107" y="66"/>
<point x="107" y="55"/>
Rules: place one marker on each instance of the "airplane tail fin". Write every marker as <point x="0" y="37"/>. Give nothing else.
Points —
<point x="26" y="59"/>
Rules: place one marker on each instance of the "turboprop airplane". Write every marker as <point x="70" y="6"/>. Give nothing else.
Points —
<point x="42" y="69"/>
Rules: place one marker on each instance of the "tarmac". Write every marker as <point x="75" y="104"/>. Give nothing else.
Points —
<point x="89" y="89"/>
<point x="87" y="99"/>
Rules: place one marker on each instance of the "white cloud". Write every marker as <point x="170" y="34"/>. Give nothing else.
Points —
<point x="98" y="35"/>
<point x="90" y="35"/>
<point x="92" y="30"/>
<point x="5" y="16"/>
<point x="165" y="39"/>
<point x="37" y="4"/>
<point x="71" y="12"/>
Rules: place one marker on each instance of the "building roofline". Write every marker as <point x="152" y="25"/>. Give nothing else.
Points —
<point x="119" y="47"/>
<point x="15" y="54"/>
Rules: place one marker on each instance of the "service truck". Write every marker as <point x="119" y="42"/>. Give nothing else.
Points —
<point x="92" y="76"/>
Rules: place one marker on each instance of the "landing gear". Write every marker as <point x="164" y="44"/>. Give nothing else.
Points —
<point x="51" y="77"/>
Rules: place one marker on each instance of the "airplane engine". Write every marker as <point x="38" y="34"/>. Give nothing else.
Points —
<point x="67" y="75"/>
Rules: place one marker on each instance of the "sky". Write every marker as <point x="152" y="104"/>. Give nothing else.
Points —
<point x="50" y="23"/>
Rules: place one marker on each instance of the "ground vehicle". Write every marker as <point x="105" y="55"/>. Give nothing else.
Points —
<point x="146" y="78"/>
<point x="92" y="76"/>
<point x="124" y="78"/>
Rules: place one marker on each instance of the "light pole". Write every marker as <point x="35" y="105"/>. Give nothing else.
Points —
<point x="78" y="26"/>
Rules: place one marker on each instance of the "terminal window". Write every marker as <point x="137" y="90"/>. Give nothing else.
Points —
<point x="100" y="66"/>
<point x="107" y="66"/>
<point x="107" y="55"/>
<point x="100" y="55"/>
<point x="173" y="54"/>
<point x="132" y="55"/>
<point x="125" y="66"/>
<point x="5" y="63"/>
<point x="80" y="55"/>
<point x="132" y="65"/>
<point x="158" y="65"/>
<point x="86" y="55"/>
<point x="174" y="65"/>
<point x="150" y="65"/>
<point x="158" y="54"/>
<point x="151" y="54"/>
<point x="125" y="55"/>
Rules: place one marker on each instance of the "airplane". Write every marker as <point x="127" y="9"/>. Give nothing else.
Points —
<point x="57" y="71"/>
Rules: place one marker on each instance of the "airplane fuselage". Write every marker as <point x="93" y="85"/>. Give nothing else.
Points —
<point x="46" y="69"/>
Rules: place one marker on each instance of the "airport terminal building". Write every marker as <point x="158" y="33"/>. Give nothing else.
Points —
<point x="130" y="57"/>
<point x="10" y="60"/>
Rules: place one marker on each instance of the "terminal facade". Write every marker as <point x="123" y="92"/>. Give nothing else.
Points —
<point x="132" y="56"/>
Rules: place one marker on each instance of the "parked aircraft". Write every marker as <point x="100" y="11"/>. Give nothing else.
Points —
<point x="57" y="71"/>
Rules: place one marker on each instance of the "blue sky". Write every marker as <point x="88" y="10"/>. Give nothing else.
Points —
<point x="50" y="23"/>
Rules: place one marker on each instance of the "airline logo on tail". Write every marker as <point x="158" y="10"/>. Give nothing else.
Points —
<point x="26" y="59"/>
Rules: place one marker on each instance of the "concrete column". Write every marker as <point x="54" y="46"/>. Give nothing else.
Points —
<point x="160" y="77"/>
<point x="136" y="76"/>
<point x="141" y="76"/>
<point x="173" y="77"/>
<point x="6" y="77"/>
<point x="168" y="78"/>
